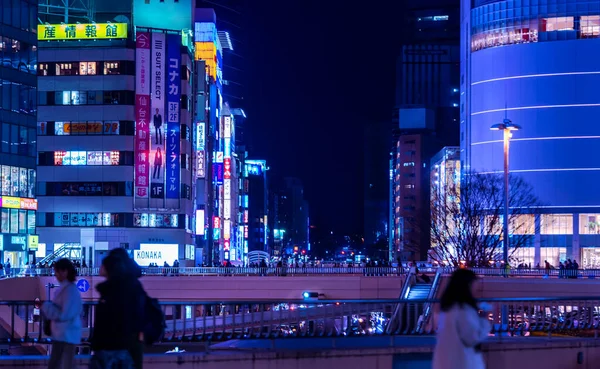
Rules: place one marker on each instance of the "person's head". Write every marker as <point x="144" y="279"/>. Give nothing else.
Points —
<point x="64" y="270"/>
<point x="156" y="110"/>
<point x="459" y="290"/>
<point x="119" y="264"/>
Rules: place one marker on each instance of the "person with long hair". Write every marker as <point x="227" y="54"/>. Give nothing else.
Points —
<point x="461" y="328"/>
<point x="64" y="314"/>
<point x="119" y="316"/>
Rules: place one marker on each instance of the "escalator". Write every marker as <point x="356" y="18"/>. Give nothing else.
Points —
<point x="71" y="251"/>
<point x="411" y="318"/>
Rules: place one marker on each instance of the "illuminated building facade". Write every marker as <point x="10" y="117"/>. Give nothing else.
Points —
<point x="219" y="163"/>
<point x="290" y="219"/>
<point x="425" y="117"/>
<point x="535" y="64"/>
<point x="18" y="241"/>
<point x="115" y="132"/>
<point x="444" y="183"/>
<point x="256" y="211"/>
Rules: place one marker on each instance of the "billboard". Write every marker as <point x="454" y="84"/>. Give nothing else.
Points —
<point x="200" y="222"/>
<point x="156" y="253"/>
<point x="142" y="115"/>
<point x="200" y="137"/>
<point x="158" y="129"/>
<point x="88" y="31"/>
<point x="173" y="122"/>
<point x="201" y="164"/>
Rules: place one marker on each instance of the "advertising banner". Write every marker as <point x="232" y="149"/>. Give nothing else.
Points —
<point x="142" y="115"/>
<point x="87" y="31"/>
<point x="227" y="168"/>
<point x="227" y="190"/>
<point x="200" y="138"/>
<point x="218" y="172"/>
<point x="227" y="127"/>
<point x="156" y="253"/>
<point x="201" y="164"/>
<point x="157" y="113"/>
<point x="173" y="123"/>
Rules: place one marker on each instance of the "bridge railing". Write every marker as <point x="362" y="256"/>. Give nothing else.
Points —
<point x="219" y="321"/>
<point x="316" y="271"/>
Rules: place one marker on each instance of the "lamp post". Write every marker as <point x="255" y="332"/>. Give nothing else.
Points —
<point x="506" y="127"/>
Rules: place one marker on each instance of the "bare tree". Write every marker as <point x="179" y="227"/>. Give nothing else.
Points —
<point x="467" y="219"/>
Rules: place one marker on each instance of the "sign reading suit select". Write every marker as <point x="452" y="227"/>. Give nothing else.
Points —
<point x="156" y="253"/>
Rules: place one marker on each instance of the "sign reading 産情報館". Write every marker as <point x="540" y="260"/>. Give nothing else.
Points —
<point x="89" y="31"/>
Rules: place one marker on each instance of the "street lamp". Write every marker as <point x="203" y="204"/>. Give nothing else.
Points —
<point x="506" y="127"/>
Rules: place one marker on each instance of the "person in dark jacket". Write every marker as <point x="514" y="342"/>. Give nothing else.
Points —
<point x="119" y="316"/>
<point x="132" y="270"/>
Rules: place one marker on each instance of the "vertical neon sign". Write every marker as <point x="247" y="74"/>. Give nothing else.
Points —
<point x="158" y="129"/>
<point x="142" y="115"/>
<point x="173" y="122"/>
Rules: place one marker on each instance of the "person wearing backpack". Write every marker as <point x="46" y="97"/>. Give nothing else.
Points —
<point x="119" y="318"/>
<point x="153" y="321"/>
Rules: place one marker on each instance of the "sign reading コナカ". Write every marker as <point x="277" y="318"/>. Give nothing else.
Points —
<point x="89" y="31"/>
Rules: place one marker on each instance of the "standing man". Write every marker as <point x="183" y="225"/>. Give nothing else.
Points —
<point x="158" y="160"/>
<point x="158" y="128"/>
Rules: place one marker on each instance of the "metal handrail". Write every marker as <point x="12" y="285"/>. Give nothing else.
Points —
<point x="317" y="271"/>
<point x="218" y="321"/>
<point x="428" y="305"/>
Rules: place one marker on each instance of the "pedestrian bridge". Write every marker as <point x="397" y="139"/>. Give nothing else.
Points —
<point x="170" y="284"/>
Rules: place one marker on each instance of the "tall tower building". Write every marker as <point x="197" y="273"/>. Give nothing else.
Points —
<point x="18" y="240"/>
<point x="536" y="64"/>
<point x="425" y="117"/>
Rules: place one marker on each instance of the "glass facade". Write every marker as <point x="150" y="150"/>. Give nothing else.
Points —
<point x="18" y="138"/>
<point x="525" y="21"/>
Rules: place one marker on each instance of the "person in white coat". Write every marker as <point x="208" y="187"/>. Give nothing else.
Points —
<point x="64" y="314"/>
<point x="461" y="329"/>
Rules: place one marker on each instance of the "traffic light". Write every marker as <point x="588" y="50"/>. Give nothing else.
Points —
<point x="310" y="295"/>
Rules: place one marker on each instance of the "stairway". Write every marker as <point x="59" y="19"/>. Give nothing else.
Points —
<point x="419" y="291"/>
<point x="71" y="251"/>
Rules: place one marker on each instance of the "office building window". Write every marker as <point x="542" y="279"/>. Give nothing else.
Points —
<point x="107" y="127"/>
<point x="523" y="255"/>
<point x="17" y="221"/>
<point x="87" y="68"/>
<point x="557" y="24"/>
<point x="87" y="188"/>
<point x="74" y="158"/>
<point x="111" y="68"/>
<point x="87" y="220"/>
<point x="17" y="181"/>
<point x="86" y="98"/>
<point x="557" y="224"/>
<point x="554" y="255"/>
<point x="589" y="223"/>
<point x="590" y="257"/>
<point x="522" y="224"/>
<point x="151" y="220"/>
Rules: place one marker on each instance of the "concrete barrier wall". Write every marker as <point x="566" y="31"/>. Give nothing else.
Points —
<point x="547" y="354"/>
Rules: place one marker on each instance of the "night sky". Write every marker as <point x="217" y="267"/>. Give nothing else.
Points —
<point x="315" y="76"/>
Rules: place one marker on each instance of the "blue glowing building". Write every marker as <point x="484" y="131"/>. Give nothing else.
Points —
<point x="537" y="64"/>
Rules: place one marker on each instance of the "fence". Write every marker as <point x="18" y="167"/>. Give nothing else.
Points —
<point x="216" y="321"/>
<point x="317" y="271"/>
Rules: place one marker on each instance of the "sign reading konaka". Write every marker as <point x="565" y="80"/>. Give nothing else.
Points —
<point x="142" y="117"/>
<point x="156" y="253"/>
